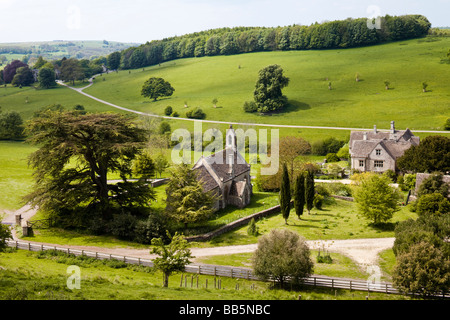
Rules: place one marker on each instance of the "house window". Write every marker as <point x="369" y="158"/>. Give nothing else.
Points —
<point x="378" y="152"/>
<point x="361" y="163"/>
<point x="378" y="164"/>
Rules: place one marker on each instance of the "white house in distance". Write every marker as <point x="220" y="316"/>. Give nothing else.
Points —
<point x="227" y="174"/>
<point x="378" y="151"/>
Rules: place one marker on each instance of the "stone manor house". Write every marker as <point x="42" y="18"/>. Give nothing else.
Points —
<point x="378" y="151"/>
<point x="227" y="174"/>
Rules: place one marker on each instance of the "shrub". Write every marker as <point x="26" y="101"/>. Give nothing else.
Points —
<point x="252" y="229"/>
<point x="123" y="226"/>
<point x="250" y="106"/>
<point x="155" y="226"/>
<point x="318" y="201"/>
<point x="175" y="114"/>
<point x="433" y="203"/>
<point x="332" y="157"/>
<point x="422" y="270"/>
<point x="282" y="255"/>
<point x="168" y="111"/>
<point x="196" y="113"/>
<point x="164" y="127"/>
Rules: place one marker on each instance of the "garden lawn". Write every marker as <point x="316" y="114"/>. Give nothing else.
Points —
<point x="338" y="219"/>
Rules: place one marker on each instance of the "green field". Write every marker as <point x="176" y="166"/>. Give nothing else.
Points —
<point x="31" y="276"/>
<point x="231" y="80"/>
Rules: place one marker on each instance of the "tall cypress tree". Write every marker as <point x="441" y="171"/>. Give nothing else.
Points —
<point x="285" y="194"/>
<point x="299" y="195"/>
<point x="309" y="190"/>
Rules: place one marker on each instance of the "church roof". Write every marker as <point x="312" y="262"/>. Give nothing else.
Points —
<point x="215" y="169"/>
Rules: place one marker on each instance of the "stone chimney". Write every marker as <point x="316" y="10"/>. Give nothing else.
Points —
<point x="375" y="129"/>
<point x="365" y="136"/>
<point x="392" y="127"/>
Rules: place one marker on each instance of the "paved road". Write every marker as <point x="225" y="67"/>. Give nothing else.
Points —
<point x="80" y="90"/>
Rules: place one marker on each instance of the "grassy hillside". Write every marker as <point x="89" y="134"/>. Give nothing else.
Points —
<point x="231" y="80"/>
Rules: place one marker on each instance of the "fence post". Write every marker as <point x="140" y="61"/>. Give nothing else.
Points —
<point x="29" y="246"/>
<point x="350" y="285"/>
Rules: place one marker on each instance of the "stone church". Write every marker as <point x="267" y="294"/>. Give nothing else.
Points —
<point x="378" y="151"/>
<point x="227" y="174"/>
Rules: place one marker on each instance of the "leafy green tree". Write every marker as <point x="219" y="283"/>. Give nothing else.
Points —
<point x="299" y="195"/>
<point x="285" y="194"/>
<point x="11" y="126"/>
<point x="143" y="166"/>
<point x="268" y="89"/>
<point x="376" y="200"/>
<point x="97" y="145"/>
<point x="10" y="70"/>
<point x="433" y="184"/>
<point x="46" y="78"/>
<point x="433" y="203"/>
<point x="282" y="255"/>
<point x="71" y="70"/>
<point x="161" y="164"/>
<point x="290" y="148"/>
<point x="40" y="63"/>
<point x="113" y="60"/>
<point x="173" y="257"/>
<point x="23" y="77"/>
<point x="423" y="270"/>
<point x="5" y="234"/>
<point x="429" y="156"/>
<point x="186" y="201"/>
<point x="309" y="190"/>
<point x="155" y="88"/>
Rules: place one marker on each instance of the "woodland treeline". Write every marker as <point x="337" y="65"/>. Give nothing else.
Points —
<point x="227" y="41"/>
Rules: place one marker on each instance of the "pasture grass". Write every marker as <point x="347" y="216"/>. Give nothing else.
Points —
<point x="231" y="80"/>
<point x="32" y="276"/>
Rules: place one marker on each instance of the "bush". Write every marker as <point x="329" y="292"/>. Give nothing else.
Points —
<point x="168" y="111"/>
<point x="422" y="270"/>
<point x="123" y="226"/>
<point x="252" y="229"/>
<point x="164" y="127"/>
<point x="197" y="113"/>
<point x="155" y="226"/>
<point x="433" y="203"/>
<point x="332" y="157"/>
<point x="175" y="114"/>
<point x="250" y="107"/>
<point x="282" y="255"/>
<point x="318" y="201"/>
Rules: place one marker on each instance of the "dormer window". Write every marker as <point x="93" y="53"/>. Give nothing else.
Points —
<point x="378" y="152"/>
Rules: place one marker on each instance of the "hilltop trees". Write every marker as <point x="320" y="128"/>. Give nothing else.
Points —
<point x="268" y="89"/>
<point x="154" y="88"/>
<point x="225" y="41"/>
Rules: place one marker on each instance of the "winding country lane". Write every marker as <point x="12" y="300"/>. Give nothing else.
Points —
<point x="91" y="82"/>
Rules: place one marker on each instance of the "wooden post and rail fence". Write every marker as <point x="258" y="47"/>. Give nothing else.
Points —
<point x="221" y="271"/>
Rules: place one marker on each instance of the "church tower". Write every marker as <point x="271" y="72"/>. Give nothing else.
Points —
<point x="231" y="139"/>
